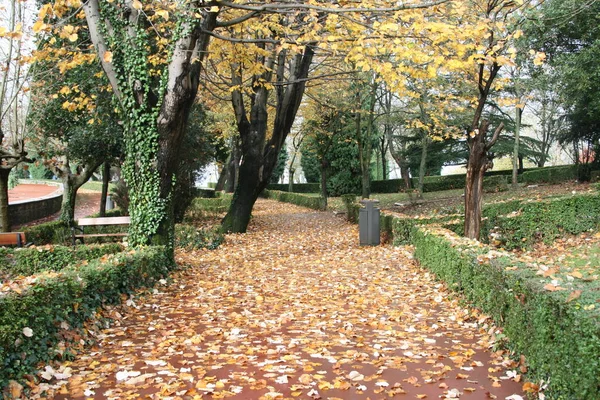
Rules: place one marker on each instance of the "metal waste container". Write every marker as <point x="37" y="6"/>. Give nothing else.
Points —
<point x="368" y="223"/>
<point x="110" y="204"/>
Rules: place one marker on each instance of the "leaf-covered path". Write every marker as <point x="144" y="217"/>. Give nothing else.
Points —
<point x="293" y="309"/>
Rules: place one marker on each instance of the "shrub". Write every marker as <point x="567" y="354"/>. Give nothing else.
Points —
<point x="495" y="183"/>
<point x="63" y="301"/>
<point x="28" y="261"/>
<point x="207" y="207"/>
<point x="316" y="203"/>
<point x="54" y="232"/>
<point x="521" y="224"/>
<point x="298" y="187"/>
<point x="189" y="237"/>
<point x="550" y="174"/>
<point x="560" y="339"/>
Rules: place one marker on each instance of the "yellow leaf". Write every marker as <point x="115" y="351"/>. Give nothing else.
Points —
<point x="136" y="4"/>
<point x="108" y="57"/>
<point x="164" y="14"/>
<point x="73" y="37"/>
<point x="214" y="9"/>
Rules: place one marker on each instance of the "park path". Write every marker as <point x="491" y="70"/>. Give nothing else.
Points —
<point x="292" y="309"/>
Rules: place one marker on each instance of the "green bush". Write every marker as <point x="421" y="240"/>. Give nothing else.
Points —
<point x="61" y="302"/>
<point x="207" y="207"/>
<point x="560" y="339"/>
<point x="316" y="203"/>
<point x="189" y="237"/>
<point x="298" y="187"/>
<point x="521" y="224"/>
<point x="54" y="232"/>
<point x="495" y="183"/>
<point x="550" y="175"/>
<point x="28" y="261"/>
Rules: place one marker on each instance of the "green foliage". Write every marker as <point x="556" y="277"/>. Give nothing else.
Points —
<point x="530" y="222"/>
<point x="550" y="175"/>
<point x="120" y="195"/>
<point x="560" y="339"/>
<point x="191" y="238"/>
<point x="63" y="302"/>
<point x="201" y="208"/>
<point x="28" y="261"/>
<point x="54" y="232"/>
<point x="496" y="183"/>
<point x="280" y="166"/>
<point x="298" y="187"/>
<point x="12" y="179"/>
<point x="310" y="167"/>
<point x="316" y="203"/>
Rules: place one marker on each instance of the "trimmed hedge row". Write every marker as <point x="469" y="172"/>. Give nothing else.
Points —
<point x="28" y="261"/>
<point x="550" y="174"/>
<point x="316" y="203"/>
<point x="57" y="232"/>
<point x="298" y="187"/>
<point x="32" y="322"/>
<point x="519" y="224"/>
<point x="202" y="207"/>
<point x="560" y="339"/>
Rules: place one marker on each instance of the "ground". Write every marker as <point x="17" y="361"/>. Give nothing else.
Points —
<point x="294" y="308"/>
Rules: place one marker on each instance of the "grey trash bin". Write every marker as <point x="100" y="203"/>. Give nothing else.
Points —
<point x="368" y="223"/>
<point x="110" y="204"/>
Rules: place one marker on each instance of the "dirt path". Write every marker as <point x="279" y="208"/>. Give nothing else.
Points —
<point x="293" y="309"/>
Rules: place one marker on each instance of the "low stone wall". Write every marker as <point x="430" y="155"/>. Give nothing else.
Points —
<point x="21" y="212"/>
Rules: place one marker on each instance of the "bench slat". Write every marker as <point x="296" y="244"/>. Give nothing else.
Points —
<point x="12" y="239"/>
<point x="104" y="221"/>
<point x="101" y="234"/>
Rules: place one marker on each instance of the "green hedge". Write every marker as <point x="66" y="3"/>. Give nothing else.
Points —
<point x="316" y="203"/>
<point x="28" y="261"/>
<point x="558" y="174"/>
<point x="206" y="207"/>
<point x="57" y="232"/>
<point x="520" y="224"/>
<point x="190" y="237"/>
<point x="68" y="297"/>
<point x="298" y="187"/>
<point x="560" y="339"/>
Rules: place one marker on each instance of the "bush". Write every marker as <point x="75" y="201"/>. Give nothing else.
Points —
<point x="316" y="203"/>
<point x="560" y="339"/>
<point x="28" y="261"/>
<point x="61" y="302"/>
<point x="495" y="183"/>
<point x="54" y="232"/>
<point x="190" y="238"/>
<point x="202" y="208"/>
<point x="298" y="187"/>
<point x="550" y="175"/>
<point x="521" y="224"/>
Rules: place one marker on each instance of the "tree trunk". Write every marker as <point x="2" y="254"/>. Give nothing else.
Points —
<point x="248" y="188"/>
<point x="324" y="194"/>
<point x="423" y="164"/>
<point x="233" y="168"/>
<point x="105" y="181"/>
<point x="67" y="209"/>
<point x="515" y="171"/>
<point x="521" y="168"/>
<point x="291" y="182"/>
<point x="4" y="220"/>
<point x="222" y="176"/>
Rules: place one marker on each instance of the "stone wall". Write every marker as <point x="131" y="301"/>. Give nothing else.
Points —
<point x="25" y="211"/>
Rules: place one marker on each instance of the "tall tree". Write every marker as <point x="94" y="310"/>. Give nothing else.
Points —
<point x="14" y="102"/>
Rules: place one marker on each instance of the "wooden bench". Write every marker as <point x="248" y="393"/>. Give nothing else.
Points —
<point x="101" y="221"/>
<point x="13" y="239"/>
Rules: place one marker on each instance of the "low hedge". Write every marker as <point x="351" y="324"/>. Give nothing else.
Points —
<point x="297" y="187"/>
<point x="204" y="207"/>
<point x="57" y="232"/>
<point x="28" y="261"/>
<point x="33" y="321"/>
<point x="316" y="203"/>
<point x="519" y="224"/>
<point x="560" y="338"/>
<point x="557" y="174"/>
<point x="190" y="237"/>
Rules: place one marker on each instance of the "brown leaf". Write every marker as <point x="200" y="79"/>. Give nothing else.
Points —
<point x="574" y="295"/>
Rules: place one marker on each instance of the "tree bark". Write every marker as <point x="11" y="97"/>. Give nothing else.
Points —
<point x="223" y="176"/>
<point x="423" y="163"/>
<point x="515" y="171"/>
<point x="259" y="155"/>
<point x="324" y="194"/>
<point x="4" y="218"/>
<point x="105" y="181"/>
<point x="233" y="167"/>
<point x="71" y="183"/>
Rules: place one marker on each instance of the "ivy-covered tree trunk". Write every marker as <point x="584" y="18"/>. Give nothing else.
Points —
<point x="4" y="221"/>
<point x="105" y="181"/>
